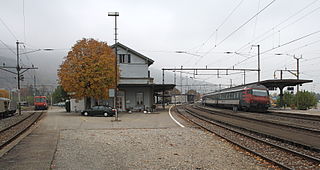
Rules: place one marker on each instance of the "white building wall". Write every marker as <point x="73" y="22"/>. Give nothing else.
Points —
<point x="134" y="59"/>
<point x="135" y="81"/>
<point x="137" y="68"/>
<point x="130" y="97"/>
<point x="77" y="105"/>
<point x="133" y="70"/>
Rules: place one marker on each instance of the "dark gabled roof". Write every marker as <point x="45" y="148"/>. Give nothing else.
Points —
<point x="150" y="61"/>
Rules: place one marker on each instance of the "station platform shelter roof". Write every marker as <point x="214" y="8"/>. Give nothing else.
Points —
<point x="155" y="87"/>
<point x="281" y="83"/>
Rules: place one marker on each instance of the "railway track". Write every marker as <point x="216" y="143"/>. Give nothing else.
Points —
<point x="295" y="115"/>
<point x="13" y="131"/>
<point x="282" y="155"/>
<point x="263" y="117"/>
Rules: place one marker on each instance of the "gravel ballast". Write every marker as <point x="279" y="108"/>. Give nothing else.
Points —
<point x="163" y="148"/>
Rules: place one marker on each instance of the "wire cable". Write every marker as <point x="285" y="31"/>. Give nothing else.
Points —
<point x="263" y="36"/>
<point x="233" y="32"/>
<point x="6" y="26"/>
<point x="8" y="47"/>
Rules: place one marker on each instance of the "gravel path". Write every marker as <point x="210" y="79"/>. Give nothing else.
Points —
<point x="163" y="148"/>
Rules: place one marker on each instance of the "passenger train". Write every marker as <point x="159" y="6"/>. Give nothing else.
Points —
<point x="251" y="97"/>
<point x="40" y="103"/>
<point x="6" y="108"/>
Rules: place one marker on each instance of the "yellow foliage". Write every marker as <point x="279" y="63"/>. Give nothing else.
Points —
<point x="4" y="93"/>
<point x="88" y="70"/>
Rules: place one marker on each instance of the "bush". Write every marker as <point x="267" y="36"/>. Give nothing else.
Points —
<point x="305" y="100"/>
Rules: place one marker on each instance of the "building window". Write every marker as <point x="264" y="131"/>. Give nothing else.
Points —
<point x="139" y="98"/>
<point x="124" y="58"/>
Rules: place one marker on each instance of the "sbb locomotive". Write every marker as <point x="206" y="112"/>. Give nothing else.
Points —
<point x="252" y="97"/>
<point x="40" y="103"/>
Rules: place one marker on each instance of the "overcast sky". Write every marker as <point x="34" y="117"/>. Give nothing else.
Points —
<point x="205" y="30"/>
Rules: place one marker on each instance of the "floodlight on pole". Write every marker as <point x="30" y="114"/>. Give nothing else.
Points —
<point x="115" y="15"/>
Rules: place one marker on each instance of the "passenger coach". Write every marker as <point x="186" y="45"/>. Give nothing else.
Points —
<point x="245" y="97"/>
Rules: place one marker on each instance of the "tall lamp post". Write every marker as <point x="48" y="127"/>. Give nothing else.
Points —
<point x="115" y="15"/>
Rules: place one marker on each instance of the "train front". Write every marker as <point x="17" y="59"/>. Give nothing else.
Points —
<point x="40" y="103"/>
<point x="259" y="99"/>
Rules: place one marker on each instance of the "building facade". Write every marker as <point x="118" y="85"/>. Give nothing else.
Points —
<point x="136" y="90"/>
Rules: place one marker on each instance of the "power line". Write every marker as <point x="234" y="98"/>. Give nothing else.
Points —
<point x="306" y="45"/>
<point x="263" y="36"/>
<point x="289" y="42"/>
<point x="245" y="23"/>
<point x="8" y="47"/>
<point x="24" y="22"/>
<point x="242" y="25"/>
<point x="292" y="41"/>
<point x="255" y="24"/>
<point x="6" y="26"/>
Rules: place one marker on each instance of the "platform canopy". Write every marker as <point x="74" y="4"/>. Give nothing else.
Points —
<point x="155" y="87"/>
<point x="281" y="83"/>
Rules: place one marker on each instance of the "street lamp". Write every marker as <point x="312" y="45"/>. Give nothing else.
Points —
<point x="115" y="15"/>
<point x="43" y="49"/>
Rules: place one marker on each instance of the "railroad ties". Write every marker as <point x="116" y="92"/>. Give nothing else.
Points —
<point x="288" y="142"/>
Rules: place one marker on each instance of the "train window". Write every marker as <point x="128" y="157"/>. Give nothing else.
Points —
<point x="258" y="92"/>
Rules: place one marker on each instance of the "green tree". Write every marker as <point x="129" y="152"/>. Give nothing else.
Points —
<point x="305" y="100"/>
<point x="59" y="95"/>
<point x="288" y="99"/>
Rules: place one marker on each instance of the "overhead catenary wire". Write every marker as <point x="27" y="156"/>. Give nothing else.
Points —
<point x="242" y="25"/>
<point x="237" y="29"/>
<point x="266" y="35"/>
<point x="8" y="47"/>
<point x="284" y="44"/>
<point x="223" y="22"/>
<point x="9" y="30"/>
<point x="24" y="21"/>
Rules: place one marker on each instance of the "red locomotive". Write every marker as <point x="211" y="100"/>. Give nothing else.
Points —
<point x="40" y="103"/>
<point x="251" y="97"/>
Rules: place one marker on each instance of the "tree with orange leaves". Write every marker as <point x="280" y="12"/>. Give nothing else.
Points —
<point x="88" y="70"/>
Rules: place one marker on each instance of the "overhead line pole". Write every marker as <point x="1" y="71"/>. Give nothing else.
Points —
<point x="18" y="73"/>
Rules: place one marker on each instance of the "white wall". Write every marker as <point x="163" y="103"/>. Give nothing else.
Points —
<point x="133" y="70"/>
<point x="77" y="105"/>
<point x="130" y="96"/>
<point x="137" y="68"/>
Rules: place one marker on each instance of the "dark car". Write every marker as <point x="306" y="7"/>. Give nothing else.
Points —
<point x="99" y="110"/>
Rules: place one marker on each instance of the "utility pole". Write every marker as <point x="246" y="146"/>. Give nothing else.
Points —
<point x="34" y="86"/>
<point x="18" y="78"/>
<point x="20" y="71"/>
<point x="297" y="58"/>
<point x="259" y="63"/>
<point x="298" y="72"/>
<point x="244" y="77"/>
<point x="181" y="80"/>
<point x="259" y="70"/>
<point x="115" y="15"/>
<point x="163" y="104"/>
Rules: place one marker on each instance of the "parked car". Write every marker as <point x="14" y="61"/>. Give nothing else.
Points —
<point x="99" y="110"/>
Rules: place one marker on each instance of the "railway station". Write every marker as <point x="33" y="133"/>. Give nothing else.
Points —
<point x="130" y="85"/>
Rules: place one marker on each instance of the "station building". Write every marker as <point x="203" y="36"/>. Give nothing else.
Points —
<point x="136" y="89"/>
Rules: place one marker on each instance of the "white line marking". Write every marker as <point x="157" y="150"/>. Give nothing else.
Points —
<point x="173" y="118"/>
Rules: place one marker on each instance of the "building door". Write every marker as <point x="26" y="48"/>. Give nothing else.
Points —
<point x="120" y="101"/>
